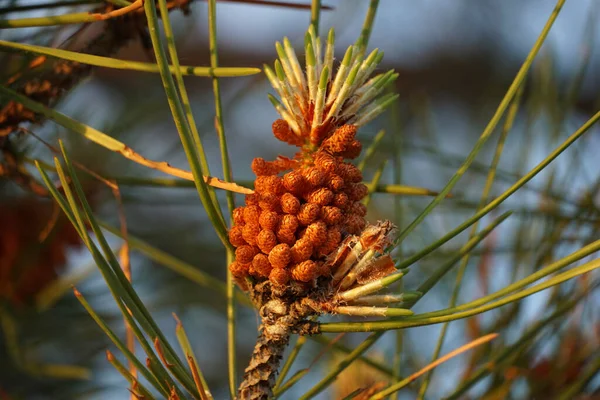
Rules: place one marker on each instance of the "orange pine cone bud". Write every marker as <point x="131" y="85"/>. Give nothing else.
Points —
<point x="334" y="147"/>
<point x="332" y="215"/>
<point x="290" y="203"/>
<point x="301" y="251"/>
<point x="283" y="163"/>
<point x="266" y="240"/>
<point x="316" y="233"/>
<point x="276" y="184"/>
<point x="261" y="266"/>
<point x="352" y="150"/>
<point x="236" y="237"/>
<point x="280" y="256"/>
<point x="282" y="131"/>
<point x="355" y="223"/>
<point x="251" y="214"/>
<point x="269" y="202"/>
<point x="314" y="176"/>
<point x="341" y="200"/>
<point x="306" y="271"/>
<point x="238" y="216"/>
<point x="334" y="237"/>
<point x="335" y="182"/>
<point x="250" y="232"/>
<point x="358" y="191"/>
<point x="260" y="183"/>
<point x="287" y="237"/>
<point x="244" y="254"/>
<point x="340" y="141"/>
<point x="321" y="196"/>
<point x="358" y="208"/>
<point x="350" y="173"/>
<point x="279" y="276"/>
<point x="269" y="184"/>
<point x="326" y="162"/>
<point x="238" y="269"/>
<point x="295" y="182"/>
<point x="252" y="199"/>
<point x="345" y="133"/>
<point x="268" y="220"/>
<point x="288" y="223"/>
<point x="261" y="167"/>
<point x="308" y="213"/>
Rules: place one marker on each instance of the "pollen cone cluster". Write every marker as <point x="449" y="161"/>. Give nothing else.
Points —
<point x="303" y="247"/>
<point x="300" y="211"/>
<point x="304" y="207"/>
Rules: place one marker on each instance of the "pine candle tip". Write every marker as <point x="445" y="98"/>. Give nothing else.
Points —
<point x="320" y="98"/>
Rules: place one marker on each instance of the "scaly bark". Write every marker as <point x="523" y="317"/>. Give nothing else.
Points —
<point x="262" y="370"/>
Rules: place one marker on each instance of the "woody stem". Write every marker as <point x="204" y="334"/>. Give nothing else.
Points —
<point x="272" y="340"/>
<point x="262" y="370"/>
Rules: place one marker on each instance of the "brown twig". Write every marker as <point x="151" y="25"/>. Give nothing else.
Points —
<point x="197" y="380"/>
<point x="161" y="166"/>
<point x="119" y="12"/>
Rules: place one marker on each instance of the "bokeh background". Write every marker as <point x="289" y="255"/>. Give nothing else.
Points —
<point x="456" y="60"/>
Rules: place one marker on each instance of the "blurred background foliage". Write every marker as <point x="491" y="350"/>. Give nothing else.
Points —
<point x="455" y="59"/>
